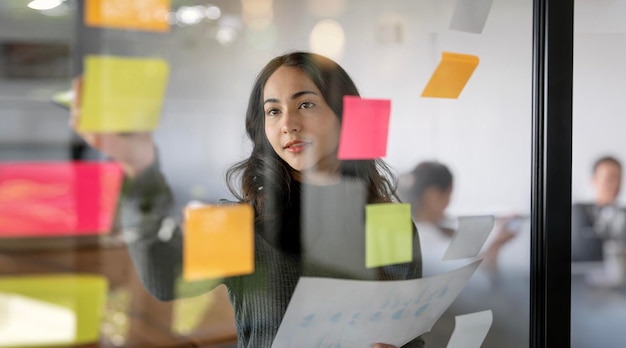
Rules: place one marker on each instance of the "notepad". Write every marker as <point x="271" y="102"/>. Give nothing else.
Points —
<point x="148" y="15"/>
<point x="122" y="94"/>
<point x="470" y="15"/>
<point x="469" y="237"/>
<point x="55" y="309"/>
<point x="388" y="234"/>
<point x="364" y="128"/>
<point x="50" y="199"/>
<point x="451" y="75"/>
<point x="218" y="241"/>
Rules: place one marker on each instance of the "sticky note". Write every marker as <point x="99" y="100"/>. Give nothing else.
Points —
<point x="333" y="225"/>
<point x="469" y="237"/>
<point x="388" y="234"/>
<point x="122" y="94"/>
<point x="470" y="330"/>
<point x="49" y="199"/>
<point x="63" y="309"/>
<point x="364" y="128"/>
<point x="218" y="241"/>
<point x="451" y="75"/>
<point x="148" y="15"/>
<point x="470" y="15"/>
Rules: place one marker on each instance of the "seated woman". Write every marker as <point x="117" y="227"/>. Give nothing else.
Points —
<point x="428" y="187"/>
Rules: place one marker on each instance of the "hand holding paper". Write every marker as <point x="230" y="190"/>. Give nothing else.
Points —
<point x="351" y="313"/>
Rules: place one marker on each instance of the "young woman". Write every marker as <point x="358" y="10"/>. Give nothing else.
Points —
<point x="294" y="121"/>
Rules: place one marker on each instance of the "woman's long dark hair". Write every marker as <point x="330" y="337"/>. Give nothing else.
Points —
<point x="265" y="173"/>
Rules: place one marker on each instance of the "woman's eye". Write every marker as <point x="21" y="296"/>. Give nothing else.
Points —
<point x="306" y="105"/>
<point x="272" y="112"/>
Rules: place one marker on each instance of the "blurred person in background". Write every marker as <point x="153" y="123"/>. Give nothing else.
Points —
<point x="428" y="188"/>
<point x="598" y="226"/>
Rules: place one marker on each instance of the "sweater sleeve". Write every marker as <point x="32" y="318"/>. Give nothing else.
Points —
<point x="154" y="238"/>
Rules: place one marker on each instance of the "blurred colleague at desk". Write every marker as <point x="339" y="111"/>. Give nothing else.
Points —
<point x="591" y="221"/>
<point x="599" y="228"/>
<point x="428" y="187"/>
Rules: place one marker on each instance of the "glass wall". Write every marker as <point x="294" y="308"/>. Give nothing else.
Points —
<point x="598" y="271"/>
<point x="104" y="214"/>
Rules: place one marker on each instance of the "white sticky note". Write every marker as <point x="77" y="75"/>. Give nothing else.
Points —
<point x="470" y="237"/>
<point x="470" y="15"/>
<point x="333" y="229"/>
<point x="53" y="324"/>
<point x="470" y="330"/>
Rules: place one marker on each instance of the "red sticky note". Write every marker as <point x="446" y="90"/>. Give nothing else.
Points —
<point x="364" y="128"/>
<point x="58" y="198"/>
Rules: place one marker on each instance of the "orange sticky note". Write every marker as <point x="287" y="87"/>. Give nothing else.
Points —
<point x="149" y="15"/>
<point x="218" y="241"/>
<point x="451" y="76"/>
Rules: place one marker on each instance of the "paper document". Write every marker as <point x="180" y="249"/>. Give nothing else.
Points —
<point x="325" y="312"/>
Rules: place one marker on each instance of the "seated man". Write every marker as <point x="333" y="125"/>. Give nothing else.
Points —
<point x="591" y="222"/>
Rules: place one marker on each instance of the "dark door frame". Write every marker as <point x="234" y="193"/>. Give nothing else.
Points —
<point x="550" y="263"/>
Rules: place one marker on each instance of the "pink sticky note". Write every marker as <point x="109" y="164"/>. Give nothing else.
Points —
<point x="49" y="199"/>
<point x="364" y="128"/>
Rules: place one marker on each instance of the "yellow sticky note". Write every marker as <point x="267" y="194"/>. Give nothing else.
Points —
<point x="451" y="76"/>
<point x="218" y="242"/>
<point x="122" y="94"/>
<point x="62" y="309"/>
<point x="388" y="234"/>
<point x="150" y="15"/>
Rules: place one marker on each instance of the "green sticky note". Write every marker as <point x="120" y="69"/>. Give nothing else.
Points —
<point x="122" y="94"/>
<point x="388" y="234"/>
<point x="82" y="296"/>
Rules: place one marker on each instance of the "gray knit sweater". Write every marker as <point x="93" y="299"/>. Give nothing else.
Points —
<point x="260" y="299"/>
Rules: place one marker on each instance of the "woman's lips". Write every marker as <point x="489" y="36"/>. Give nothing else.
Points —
<point x="296" y="146"/>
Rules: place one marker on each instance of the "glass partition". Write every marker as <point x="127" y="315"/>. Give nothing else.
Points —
<point x="598" y="271"/>
<point x="120" y="122"/>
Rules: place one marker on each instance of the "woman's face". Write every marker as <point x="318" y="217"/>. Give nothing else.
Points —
<point x="300" y="126"/>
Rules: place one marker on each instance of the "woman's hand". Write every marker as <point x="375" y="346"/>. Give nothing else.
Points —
<point x="134" y="151"/>
<point x="503" y="235"/>
<point x="383" y="345"/>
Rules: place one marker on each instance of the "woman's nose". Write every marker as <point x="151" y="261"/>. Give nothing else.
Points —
<point x="291" y="123"/>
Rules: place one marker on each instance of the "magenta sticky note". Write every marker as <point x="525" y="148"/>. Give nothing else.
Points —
<point x="364" y="128"/>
